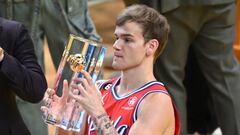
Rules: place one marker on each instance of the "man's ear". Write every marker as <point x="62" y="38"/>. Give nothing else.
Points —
<point x="152" y="46"/>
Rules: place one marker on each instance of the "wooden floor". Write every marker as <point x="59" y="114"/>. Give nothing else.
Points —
<point x="103" y="15"/>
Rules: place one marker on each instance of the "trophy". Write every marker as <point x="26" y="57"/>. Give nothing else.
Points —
<point x="79" y="54"/>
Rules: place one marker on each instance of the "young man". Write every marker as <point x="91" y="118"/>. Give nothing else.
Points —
<point x="135" y="103"/>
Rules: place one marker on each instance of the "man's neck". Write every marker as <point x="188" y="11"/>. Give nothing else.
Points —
<point x="134" y="78"/>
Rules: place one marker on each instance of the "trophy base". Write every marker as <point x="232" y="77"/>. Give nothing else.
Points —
<point x="49" y="119"/>
<point x="64" y="124"/>
<point x="77" y="127"/>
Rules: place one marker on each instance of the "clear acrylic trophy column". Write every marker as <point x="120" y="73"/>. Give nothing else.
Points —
<point x="79" y="54"/>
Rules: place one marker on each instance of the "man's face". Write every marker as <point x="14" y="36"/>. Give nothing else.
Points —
<point x="129" y="48"/>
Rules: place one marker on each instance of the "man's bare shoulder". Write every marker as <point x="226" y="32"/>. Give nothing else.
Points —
<point x="157" y="101"/>
<point x="155" y="115"/>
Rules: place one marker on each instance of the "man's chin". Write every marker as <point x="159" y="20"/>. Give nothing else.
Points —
<point x="116" y="67"/>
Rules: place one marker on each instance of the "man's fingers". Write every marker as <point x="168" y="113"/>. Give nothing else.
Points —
<point x="75" y="91"/>
<point x="65" y="90"/>
<point x="83" y="82"/>
<point x="76" y="80"/>
<point x="87" y="76"/>
<point x="78" y="98"/>
<point x="74" y="86"/>
<point x="44" y="109"/>
<point x="82" y="90"/>
<point x="55" y="98"/>
<point x="50" y="92"/>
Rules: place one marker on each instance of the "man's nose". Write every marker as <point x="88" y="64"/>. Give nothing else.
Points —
<point x="117" y="44"/>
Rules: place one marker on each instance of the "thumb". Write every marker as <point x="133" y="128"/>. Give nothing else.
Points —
<point x="65" y="90"/>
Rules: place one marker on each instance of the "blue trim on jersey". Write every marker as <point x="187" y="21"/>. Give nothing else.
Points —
<point x="117" y="97"/>
<point x="101" y="83"/>
<point x="134" y="117"/>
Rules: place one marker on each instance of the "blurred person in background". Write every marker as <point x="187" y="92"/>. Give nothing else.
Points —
<point x="55" y="20"/>
<point x="20" y="74"/>
<point x="28" y="13"/>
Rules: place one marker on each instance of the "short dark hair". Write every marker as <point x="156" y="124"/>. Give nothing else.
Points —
<point x="154" y="25"/>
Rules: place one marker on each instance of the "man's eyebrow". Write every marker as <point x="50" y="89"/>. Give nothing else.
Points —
<point x="124" y="35"/>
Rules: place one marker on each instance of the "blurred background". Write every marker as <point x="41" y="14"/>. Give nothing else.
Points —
<point x="103" y="13"/>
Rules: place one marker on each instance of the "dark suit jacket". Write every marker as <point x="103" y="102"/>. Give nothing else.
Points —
<point x="20" y="74"/>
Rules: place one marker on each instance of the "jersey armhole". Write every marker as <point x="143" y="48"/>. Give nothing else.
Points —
<point x="134" y="117"/>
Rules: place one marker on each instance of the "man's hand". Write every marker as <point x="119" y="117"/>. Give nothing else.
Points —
<point x="54" y="104"/>
<point x="91" y="100"/>
<point x="90" y="97"/>
<point x="1" y="54"/>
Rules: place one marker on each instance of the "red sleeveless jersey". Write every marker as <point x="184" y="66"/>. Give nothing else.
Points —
<point x="122" y="110"/>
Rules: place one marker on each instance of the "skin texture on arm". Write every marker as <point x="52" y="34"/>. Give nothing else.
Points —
<point x="155" y="116"/>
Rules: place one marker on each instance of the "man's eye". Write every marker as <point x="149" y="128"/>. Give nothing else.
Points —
<point x="127" y="40"/>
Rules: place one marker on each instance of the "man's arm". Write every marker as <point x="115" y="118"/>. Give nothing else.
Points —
<point x="20" y="66"/>
<point x="1" y="54"/>
<point x="155" y="116"/>
<point x="103" y="125"/>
